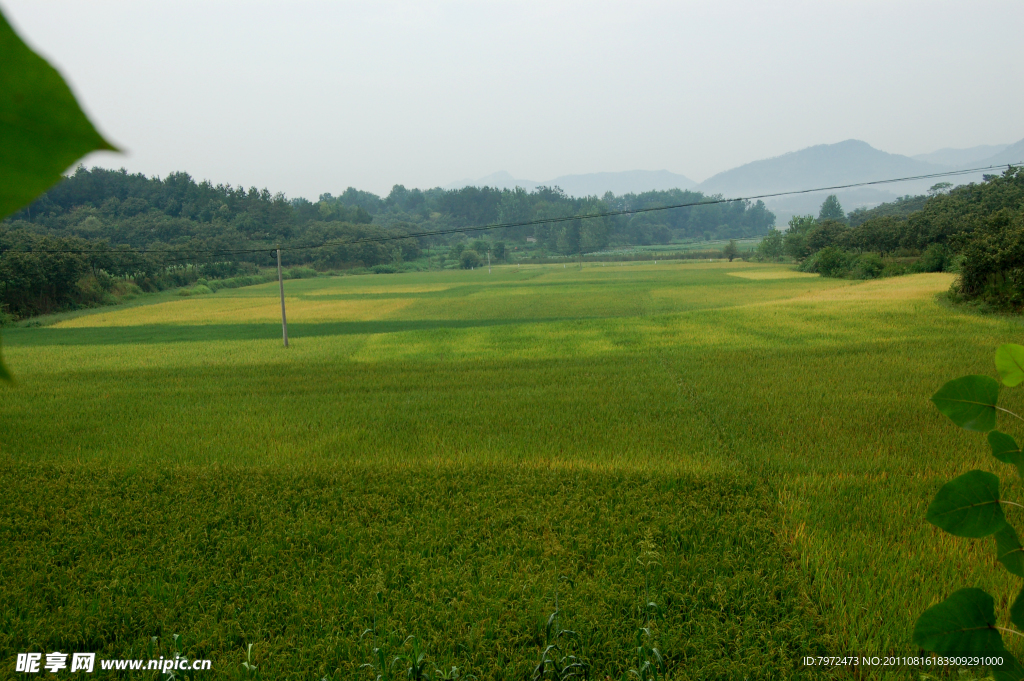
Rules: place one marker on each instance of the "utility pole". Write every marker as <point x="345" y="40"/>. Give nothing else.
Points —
<point x="488" y="261"/>
<point x="280" y="283"/>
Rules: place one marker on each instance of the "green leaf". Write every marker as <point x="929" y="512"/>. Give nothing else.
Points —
<point x="962" y="624"/>
<point x="1005" y="449"/>
<point x="970" y="402"/>
<point x="968" y="506"/>
<point x="1010" y="364"/>
<point x="1017" y="611"/>
<point x="42" y="129"/>
<point x="1010" y="670"/>
<point x="1009" y="551"/>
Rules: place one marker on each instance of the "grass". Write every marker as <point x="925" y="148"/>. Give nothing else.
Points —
<point x="436" y="449"/>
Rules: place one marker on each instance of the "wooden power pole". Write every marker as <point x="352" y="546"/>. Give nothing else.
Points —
<point x="280" y="283"/>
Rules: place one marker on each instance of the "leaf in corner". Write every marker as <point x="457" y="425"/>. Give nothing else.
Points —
<point x="1010" y="364"/>
<point x="43" y="131"/>
<point x="969" y="402"/>
<point x="1009" y="551"/>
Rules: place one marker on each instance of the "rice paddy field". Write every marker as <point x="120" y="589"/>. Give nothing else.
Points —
<point x="454" y="456"/>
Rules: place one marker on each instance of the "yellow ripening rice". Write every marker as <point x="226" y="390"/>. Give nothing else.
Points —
<point x="771" y="274"/>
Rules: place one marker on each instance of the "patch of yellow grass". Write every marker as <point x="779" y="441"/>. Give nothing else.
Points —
<point x="377" y="290"/>
<point x="217" y="310"/>
<point x="772" y="274"/>
<point x="892" y="288"/>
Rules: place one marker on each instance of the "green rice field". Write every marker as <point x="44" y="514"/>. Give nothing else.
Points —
<point x="453" y="455"/>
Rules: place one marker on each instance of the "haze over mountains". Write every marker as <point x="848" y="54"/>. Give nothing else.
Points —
<point x="823" y="165"/>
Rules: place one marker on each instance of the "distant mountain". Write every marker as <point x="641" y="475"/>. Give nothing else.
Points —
<point x="1012" y="154"/>
<point x="819" y="166"/>
<point x="823" y="165"/>
<point x="589" y="184"/>
<point x="961" y="158"/>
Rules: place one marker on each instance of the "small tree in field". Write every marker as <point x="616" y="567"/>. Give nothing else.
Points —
<point x="731" y="251"/>
<point x="469" y="259"/>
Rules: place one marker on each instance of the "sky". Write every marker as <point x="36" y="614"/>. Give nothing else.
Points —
<point x="313" y="96"/>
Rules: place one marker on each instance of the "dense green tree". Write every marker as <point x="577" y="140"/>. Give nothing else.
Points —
<point x="901" y="207"/>
<point x="831" y="209"/>
<point x="794" y="242"/>
<point x="469" y="259"/>
<point x="771" y="246"/>
<point x="827" y="233"/>
<point x="593" y="231"/>
<point x="880" y="234"/>
<point x="513" y="207"/>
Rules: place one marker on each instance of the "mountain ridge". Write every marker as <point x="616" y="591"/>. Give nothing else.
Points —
<point x="823" y="165"/>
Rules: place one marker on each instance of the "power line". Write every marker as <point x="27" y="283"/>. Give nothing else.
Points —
<point x="541" y="221"/>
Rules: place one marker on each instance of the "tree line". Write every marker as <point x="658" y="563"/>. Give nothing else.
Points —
<point x="160" y="232"/>
<point x="976" y="230"/>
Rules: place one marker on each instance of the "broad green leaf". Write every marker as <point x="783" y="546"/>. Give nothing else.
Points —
<point x="1010" y="364"/>
<point x="1009" y="551"/>
<point x="1004" y="447"/>
<point x="1006" y="450"/>
<point x="1010" y="670"/>
<point x="1017" y="611"/>
<point x="962" y="624"/>
<point x="968" y="506"/>
<point x="42" y="129"/>
<point x="970" y="402"/>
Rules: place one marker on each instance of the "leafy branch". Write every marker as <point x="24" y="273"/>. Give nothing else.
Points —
<point x="970" y="506"/>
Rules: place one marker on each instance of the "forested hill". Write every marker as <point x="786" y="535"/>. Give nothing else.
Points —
<point x="100" y="232"/>
<point x="144" y="212"/>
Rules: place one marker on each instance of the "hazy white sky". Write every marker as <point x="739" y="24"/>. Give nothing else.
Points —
<point x="313" y="96"/>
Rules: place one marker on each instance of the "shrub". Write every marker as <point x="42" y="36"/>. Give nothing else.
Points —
<point x="384" y="269"/>
<point x="300" y="273"/>
<point x="868" y="266"/>
<point x="197" y="290"/>
<point x="832" y="262"/>
<point x="894" y="269"/>
<point x="828" y="262"/>
<point x="90" y="291"/>
<point x="125" y="290"/>
<point x="469" y="259"/>
<point x="934" y="259"/>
